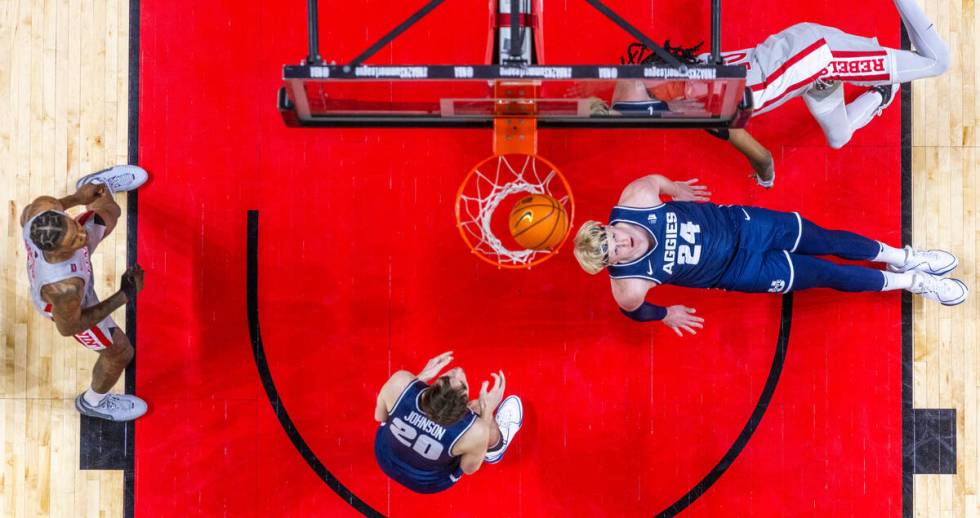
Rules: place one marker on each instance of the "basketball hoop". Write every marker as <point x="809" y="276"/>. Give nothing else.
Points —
<point x="491" y="182"/>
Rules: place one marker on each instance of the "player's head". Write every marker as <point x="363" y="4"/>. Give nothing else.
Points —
<point x="445" y="401"/>
<point x="55" y="232"/>
<point x="592" y="247"/>
<point x="598" y="245"/>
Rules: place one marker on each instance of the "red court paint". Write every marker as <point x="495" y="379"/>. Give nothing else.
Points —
<point x="362" y="272"/>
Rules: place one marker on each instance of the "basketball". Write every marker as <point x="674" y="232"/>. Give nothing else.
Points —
<point x="538" y="222"/>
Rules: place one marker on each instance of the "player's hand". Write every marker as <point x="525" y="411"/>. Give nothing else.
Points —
<point x="683" y="318"/>
<point x="435" y="365"/>
<point x="764" y="173"/>
<point x="598" y="107"/>
<point x="689" y="190"/>
<point x="132" y="282"/>
<point x="490" y="400"/>
<point x="90" y="192"/>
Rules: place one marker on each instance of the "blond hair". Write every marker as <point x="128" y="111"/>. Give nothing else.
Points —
<point x="591" y="248"/>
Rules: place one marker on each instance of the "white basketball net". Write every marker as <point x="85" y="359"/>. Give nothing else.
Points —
<point x="493" y="181"/>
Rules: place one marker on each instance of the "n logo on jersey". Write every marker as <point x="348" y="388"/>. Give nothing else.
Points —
<point x="652" y="219"/>
<point x="777" y="286"/>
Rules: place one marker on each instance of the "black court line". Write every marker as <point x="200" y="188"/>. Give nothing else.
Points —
<point x="778" y="359"/>
<point x="252" y="296"/>
<point x="132" y="211"/>
<point x="908" y="419"/>
<point x="252" y="282"/>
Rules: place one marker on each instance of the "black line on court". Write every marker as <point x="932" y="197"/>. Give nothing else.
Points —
<point x="132" y="212"/>
<point x="779" y="358"/>
<point x="908" y="421"/>
<point x="252" y="296"/>
<point x="107" y="445"/>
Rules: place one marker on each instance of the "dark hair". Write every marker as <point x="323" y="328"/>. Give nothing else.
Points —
<point x="640" y="54"/>
<point x="47" y="230"/>
<point x="442" y="403"/>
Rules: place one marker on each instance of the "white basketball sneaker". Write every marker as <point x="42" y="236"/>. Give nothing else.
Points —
<point x="509" y="417"/>
<point x="113" y="407"/>
<point x="934" y="262"/>
<point x="118" y="178"/>
<point x="948" y="292"/>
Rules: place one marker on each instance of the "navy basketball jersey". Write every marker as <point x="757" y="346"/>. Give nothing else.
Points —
<point x="692" y="244"/>
<point x="416" y="451"/>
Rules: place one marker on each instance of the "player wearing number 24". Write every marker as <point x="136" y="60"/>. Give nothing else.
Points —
<point x="430" y="435"/>
<point x="691" y="242"/>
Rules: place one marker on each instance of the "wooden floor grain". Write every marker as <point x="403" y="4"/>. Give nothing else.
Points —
<point x="63" y="89"/>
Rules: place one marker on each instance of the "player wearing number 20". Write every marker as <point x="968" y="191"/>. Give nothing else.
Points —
<point x="431" y="435"/>
<point x="687" y="242"/>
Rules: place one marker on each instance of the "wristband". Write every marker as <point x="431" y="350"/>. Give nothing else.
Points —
<point x="646" y="313"/>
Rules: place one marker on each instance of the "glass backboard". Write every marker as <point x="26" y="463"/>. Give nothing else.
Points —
<point x="557" y="96"/>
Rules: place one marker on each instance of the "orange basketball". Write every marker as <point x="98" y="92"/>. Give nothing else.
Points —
<point x="538" y="222"/>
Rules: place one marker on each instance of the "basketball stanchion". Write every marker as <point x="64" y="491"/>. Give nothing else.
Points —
<point x="542" y="208"/>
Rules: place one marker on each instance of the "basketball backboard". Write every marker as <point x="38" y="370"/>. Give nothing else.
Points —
<point x="461" y="96"/>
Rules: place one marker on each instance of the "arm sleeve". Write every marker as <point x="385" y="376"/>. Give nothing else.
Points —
<point x="646" y="313"/>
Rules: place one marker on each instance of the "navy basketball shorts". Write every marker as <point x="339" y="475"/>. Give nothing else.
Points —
<point x="753" y="271"/>
<point x="763" y="229"/>
<point x="762" y="262"/>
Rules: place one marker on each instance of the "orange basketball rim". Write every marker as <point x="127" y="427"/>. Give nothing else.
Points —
<point x="514" y="168"/>
<point x="489" y="183"/>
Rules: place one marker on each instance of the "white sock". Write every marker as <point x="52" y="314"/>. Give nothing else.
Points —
<point x="93" y="398"/>
<point x="891" y="255"/>
<point x="897" y="281"/>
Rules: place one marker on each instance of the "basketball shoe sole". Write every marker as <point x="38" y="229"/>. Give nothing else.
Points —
<point x="120" y="178"/>
<point x="509" y="417"/>
<point x="114" y="407"/>
<point x="934" y="262"/>
<point x="948" y="292"/>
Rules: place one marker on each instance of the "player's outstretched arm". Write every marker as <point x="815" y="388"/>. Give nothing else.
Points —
<point x="758" y="156"/>
<point x="648" y="190"/>
<point x="476" y="439"/>
<point x="87" y="194"/>
<point x="106" y="207"/>
<point x="66" y="306"/>
<point x="66" y="302"/>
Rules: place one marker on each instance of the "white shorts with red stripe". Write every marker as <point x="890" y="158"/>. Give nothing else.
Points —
<point x="787" y="63"/>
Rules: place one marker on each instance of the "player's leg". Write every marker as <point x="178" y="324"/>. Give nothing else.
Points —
<point x="839" y="120"/>
<point x="113" y="359"/>
<point x="931" y="56"/>
<point x="786" y="64"/>
<point x="778" y="271"/>
<point x="816" y="240"/>
<point x="812" y="272"/>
